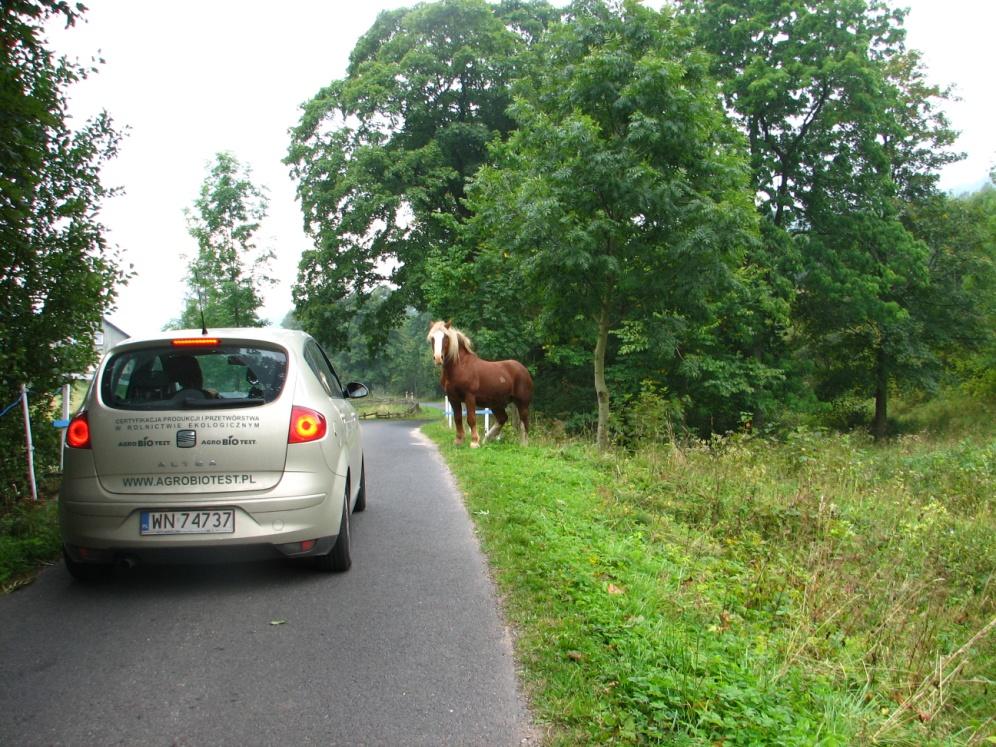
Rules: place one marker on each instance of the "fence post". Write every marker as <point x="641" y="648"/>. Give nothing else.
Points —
<point x="66" y="394"/>
<point x="30" y="445"/>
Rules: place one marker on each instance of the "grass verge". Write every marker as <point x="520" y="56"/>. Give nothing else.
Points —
<point x="818" y="590"/>
<point x="29" y="537"/>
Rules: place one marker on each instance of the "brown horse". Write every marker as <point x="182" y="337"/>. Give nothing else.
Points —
<point x="470" y="380"/>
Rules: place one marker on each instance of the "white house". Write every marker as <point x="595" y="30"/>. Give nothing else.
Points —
<point x="109" y="336"/>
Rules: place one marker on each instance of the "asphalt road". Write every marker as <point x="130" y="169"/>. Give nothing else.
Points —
<point x="406" y="648"/>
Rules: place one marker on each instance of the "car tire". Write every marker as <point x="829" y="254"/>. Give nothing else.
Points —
<point x="361" y="496"/>
<point x="84" y="572"/>
<point x="338" y="558"/>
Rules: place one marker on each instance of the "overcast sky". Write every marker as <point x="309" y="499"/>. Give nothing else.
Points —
<point x="192" y="78"/>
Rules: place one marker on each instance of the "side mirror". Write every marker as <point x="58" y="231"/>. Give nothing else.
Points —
<point x="355" y="390"/>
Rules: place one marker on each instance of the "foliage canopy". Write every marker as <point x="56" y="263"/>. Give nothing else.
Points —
<point x="843" y="130"/>
<point x="725" y="211"/>
<point x="382" y="156"/>
<point x="57" y="274"/>
<point x="622" y="193"/>
<point x="229" y="271"/>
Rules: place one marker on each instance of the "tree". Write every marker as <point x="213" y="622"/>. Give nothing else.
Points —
<point x="383" y="155"/>
<point x="403" y="365"/>
<point x="842" y="129"/>
<point x="228" y="274"/>
<point x="622" y="192"/>
<point x="57" y="274"/>
<point x="958" y="311"/>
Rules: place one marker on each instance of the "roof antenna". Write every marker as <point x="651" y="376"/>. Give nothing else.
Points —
<point x="200" y="300"/>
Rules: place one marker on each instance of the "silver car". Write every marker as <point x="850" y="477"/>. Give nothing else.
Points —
<point x="239" y="443"/>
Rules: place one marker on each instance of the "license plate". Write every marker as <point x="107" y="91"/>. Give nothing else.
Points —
<point x="214" y="521"/>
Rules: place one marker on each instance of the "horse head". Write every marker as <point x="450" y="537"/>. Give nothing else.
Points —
<point x="446" y="340"/>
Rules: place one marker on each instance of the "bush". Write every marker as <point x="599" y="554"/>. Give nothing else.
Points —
<point x="46" y="440"/>
<point x="29" y="536"/>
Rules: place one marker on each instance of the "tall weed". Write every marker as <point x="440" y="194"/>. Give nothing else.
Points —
<point x="866" y="564"/>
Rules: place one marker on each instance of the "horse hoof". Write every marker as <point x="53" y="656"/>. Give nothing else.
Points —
<point x="474" y="445"/>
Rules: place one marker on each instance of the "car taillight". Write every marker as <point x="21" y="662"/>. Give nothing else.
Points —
<point x="78" y="432"/>
<point x="306" y="425"/>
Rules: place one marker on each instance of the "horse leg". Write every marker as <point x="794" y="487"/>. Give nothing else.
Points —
<point x="523" y="409"/>
<point x="501" y="417"/>
<point x="457" y="406"/>
<point x="475" y="439"/>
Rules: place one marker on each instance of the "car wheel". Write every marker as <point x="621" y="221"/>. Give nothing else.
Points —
<point x="361" y="496"/>
<point x="338" y="559"/>
<point x="84" y="572"/>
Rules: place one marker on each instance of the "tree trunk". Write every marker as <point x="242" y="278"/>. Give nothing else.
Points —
<point x="880" y="426"/>
<point x="601" y="389"/>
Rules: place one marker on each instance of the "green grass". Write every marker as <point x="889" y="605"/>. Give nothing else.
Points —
<point x="29" y="537"/>
<point x="745" y="591"/>
<point x="951" y="413"/>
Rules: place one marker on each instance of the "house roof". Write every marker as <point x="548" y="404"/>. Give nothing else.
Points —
<point x="114" y="327"/>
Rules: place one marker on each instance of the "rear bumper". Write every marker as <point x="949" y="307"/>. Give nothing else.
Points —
<point x="197" y="554"/>
<point x="267" y="523"/>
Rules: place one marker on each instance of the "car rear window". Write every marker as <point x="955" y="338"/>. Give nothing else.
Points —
<point x="163" y="377"/>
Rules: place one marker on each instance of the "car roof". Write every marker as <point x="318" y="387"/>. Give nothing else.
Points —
<point x="292" y="338"/>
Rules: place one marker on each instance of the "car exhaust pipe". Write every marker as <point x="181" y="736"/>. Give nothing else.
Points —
<point x="126" y="562"/>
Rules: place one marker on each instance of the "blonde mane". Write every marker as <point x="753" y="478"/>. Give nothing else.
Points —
<point x="455" y="336"/>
